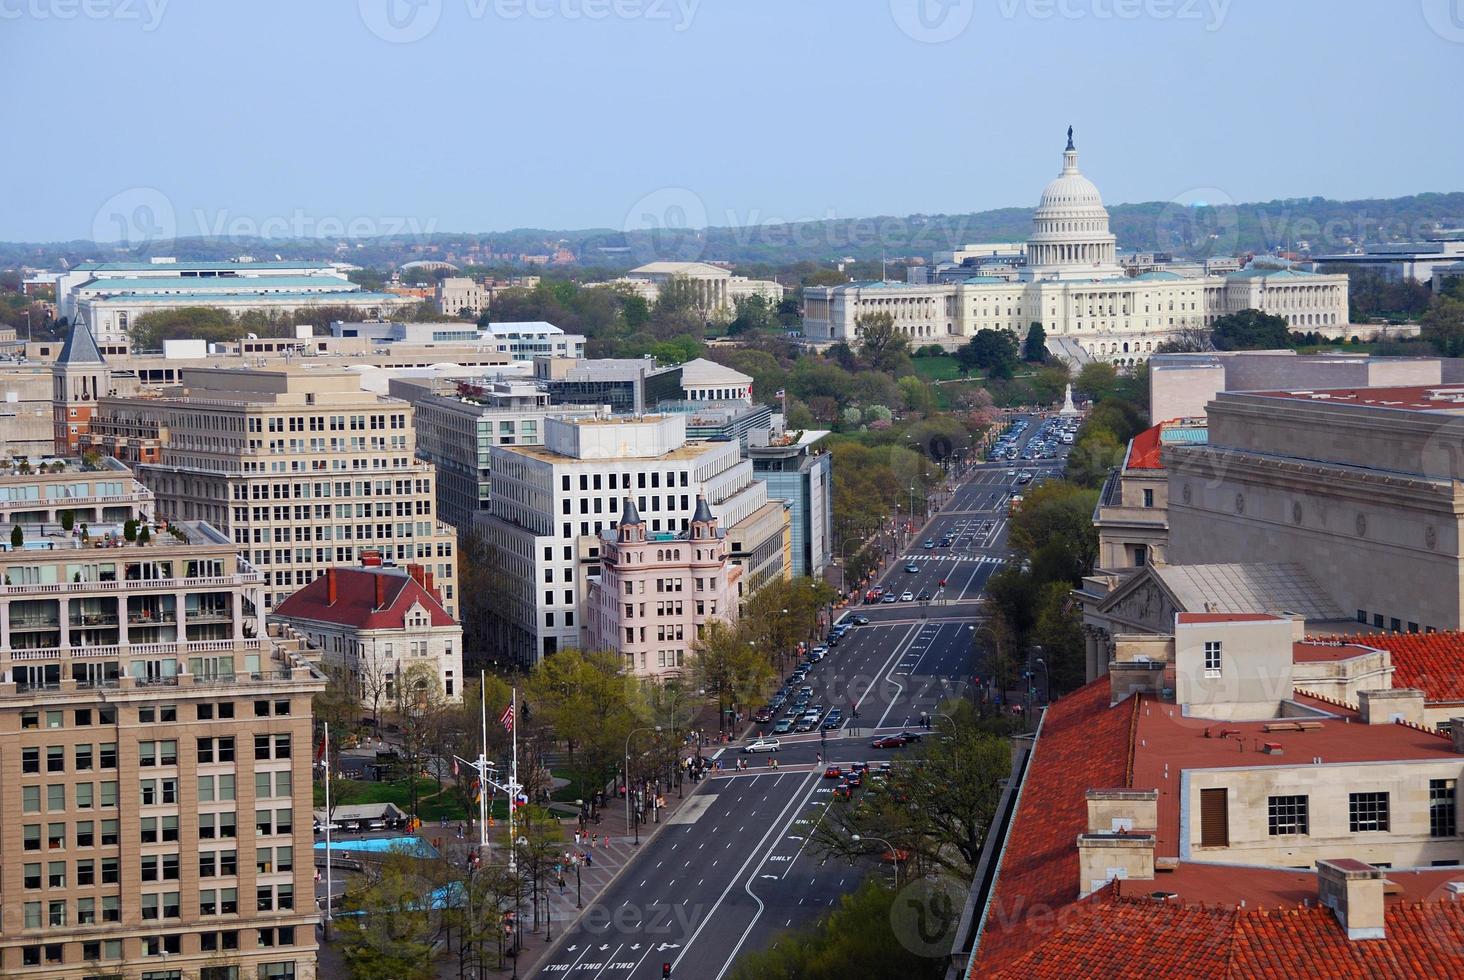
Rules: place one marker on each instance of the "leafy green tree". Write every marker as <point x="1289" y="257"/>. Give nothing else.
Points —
<point x="916" y="395"/>
<point x="1250" y="330"/>
<point x="585" y="700"/>
<point x="1443" y="326"/>
<point x="880" y="342"/>
<point x="1097" y="452"/>
<point x="17" y="537"/>
<point x="1097" y="380"/>
<point x="1034" y="348"/>
<point x="207" y="323"/>
<point x="1057" y="514"/>
<point x="751" y="314"/>
<point x="993" y="351"/>
<point x="388" y="927"/>
<point x="129" y="529"/>
<point x="1059" y="631"/>
<point x="937" y="803"/>
<point x="68" y="520"/>
<point x="856" y="940"/>
<point x="728" y="665"/>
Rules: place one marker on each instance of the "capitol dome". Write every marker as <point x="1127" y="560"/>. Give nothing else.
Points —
<point x="1070" y="237"/>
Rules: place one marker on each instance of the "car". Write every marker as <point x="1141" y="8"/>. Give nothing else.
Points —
<point x="889" y="598"/>
<point x="805" y="690"/>
<point x="783" y="727"/>
<point x="860" y="620"/>
<point x="859" y="766"/>
<point x="830" y="723"/>
<point x="763" y="715"/>
<point x="761" y="745"/>
<point x="911" y="736"/>
<point x="792" y="712"/>
<point x="924" y="594"/>
<point x="844" y="790"/>
<point x="833" y="772"/>
<point x="819" y="652"/>
<point x="887" y="742"/>
<point x="929" y="543"/>
<point x="854" y="778"/>
<point x="907" y="596"/>
<point x="912" y="568"/>
<point x="1011" y="472"/>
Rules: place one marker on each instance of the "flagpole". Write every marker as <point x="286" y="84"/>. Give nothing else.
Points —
<point x="327" y="823"/>
<point x="483" y="768"/>
<point x="513" y="787"/>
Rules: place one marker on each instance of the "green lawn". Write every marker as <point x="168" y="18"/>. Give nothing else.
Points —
<point x="942" y="368"/>
<point x="433" y="807"/>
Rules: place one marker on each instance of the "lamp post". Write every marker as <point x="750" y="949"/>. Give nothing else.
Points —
<point x="633" y="734"/>
<point x="893" y="853"/>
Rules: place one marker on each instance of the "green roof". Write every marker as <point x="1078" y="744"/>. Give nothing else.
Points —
<point x="1266" y="273"/>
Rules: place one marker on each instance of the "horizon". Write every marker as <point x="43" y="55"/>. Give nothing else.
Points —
<point x="672" y="143"/>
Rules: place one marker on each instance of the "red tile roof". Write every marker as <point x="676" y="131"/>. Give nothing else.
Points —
<point x="1115" y="936"/>
<point x="1311" y="651"/>
<point x="355" y="604"/>
<point x="1083" y="743"/>
<point x="1144" y="449"/>
<point x="1431" y="662"/>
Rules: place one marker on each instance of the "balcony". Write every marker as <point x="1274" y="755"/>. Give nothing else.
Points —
<point x="113" y="585"/>
<point x="280" y="666"/>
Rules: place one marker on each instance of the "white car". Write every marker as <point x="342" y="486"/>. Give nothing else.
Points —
<point x="907" y="596"/>
<point x="761" y="745"/>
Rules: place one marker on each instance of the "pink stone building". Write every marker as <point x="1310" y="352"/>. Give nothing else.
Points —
<point x="658" y="589"/>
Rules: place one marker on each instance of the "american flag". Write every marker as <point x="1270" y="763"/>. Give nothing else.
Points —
<point x="506" y="719"/>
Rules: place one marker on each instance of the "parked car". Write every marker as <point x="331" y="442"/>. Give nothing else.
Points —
<point x="907" y="596"/>
<point x="763" y="715"/>
<point x="783" y="727"/>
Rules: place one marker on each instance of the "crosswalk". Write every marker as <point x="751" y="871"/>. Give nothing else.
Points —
<point x="927" y="556"/>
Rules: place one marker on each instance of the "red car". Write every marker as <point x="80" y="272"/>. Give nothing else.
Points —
<point x="888" y="742"/>
<point x="833" y="772"/>
<point x="763" y="715"/>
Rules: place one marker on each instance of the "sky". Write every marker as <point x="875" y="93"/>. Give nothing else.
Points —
<point x="358" y="117"/>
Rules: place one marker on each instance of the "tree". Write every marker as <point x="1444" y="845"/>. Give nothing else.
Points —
<point x="993" y="351"/>
<point x="1034" y="348"/>
<point x="751" y="314"/>
<point x="1097" y="452"/>
<point x="1058" y="514"/>
<point x="727" y="664"/>
<point x="917" y="395"/>
<point x="17" y="537"/>
<point x="1187" y="340"/>
<point x="881" y="344"/>
<point x="856" y="940"/>
<point x="1250" y="330"/>
<point x="129" y="530"/>
<point x="1097" y="380"/>
<point x="144" y="534"/>
<point x="388" y="927"/>
<point x="937" y="803"/>
<point x="584" y="699"/>
<point x="1443" y="326"/>
<point x="68" y="520"/>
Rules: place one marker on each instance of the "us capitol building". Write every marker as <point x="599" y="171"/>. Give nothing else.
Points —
<point x="1071" y="283"/>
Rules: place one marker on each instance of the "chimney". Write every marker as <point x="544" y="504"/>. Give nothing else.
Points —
<point x="1353" y="891"/>
<point x="371" y="559"/>
<point x="1387" y="705"/>
<point x="380" y="591"/>
<point x="1456" y="730"/>
<point x="1104" y="857"/>
<point x="330" y="586"/>
<point x="1114" y="811"/>
<point x="416" y="571"/>
<point x="430" y="586"/>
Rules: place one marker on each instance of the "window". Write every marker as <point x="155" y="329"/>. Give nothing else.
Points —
<point x="1367" y="812"/>
<point x="1214" y="818"/>
<point x="1212" y="658"/>
<point x="1287" y="815"/>
<point x="1442" y="821"/>
<point x="110" y="833"/>
<point x="1148" y="497"/>
<point x="30" y="760"/>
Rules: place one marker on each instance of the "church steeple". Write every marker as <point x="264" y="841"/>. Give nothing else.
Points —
<point x="79" y="377"/>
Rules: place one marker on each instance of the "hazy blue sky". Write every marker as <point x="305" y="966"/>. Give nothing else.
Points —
<point x="313" y="115"/>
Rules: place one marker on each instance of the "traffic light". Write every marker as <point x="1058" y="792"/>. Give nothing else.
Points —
<point x="665" y="971"/>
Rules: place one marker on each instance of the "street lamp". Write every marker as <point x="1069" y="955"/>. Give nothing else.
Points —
<point x="893" y="853"/>
<point x="633" y="734"/>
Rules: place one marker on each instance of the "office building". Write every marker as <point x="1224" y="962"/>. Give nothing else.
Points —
<point x="1131" y="516"/>
<point x="800" y="473"/>
<point x="712" y="289"/>
<point x="550" y="504"/>
<point x="658" y="589"/>
<point x="458" y="422"/>
<point x="300" y="467"/>
<point x="157" y="747"/>
<point x="629" y="386"/>
<point x="517" y="341"/>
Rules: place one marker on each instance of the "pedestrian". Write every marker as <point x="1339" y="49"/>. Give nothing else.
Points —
<point x="576" y="838"/>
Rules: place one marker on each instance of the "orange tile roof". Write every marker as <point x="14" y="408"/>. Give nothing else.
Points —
<point x="1115" y="936"/>
<point x="1312" y="651"/>
<point x="1431" y="662"/>
<point x="1200" y="617"/>
<point x="1083" y="743"/>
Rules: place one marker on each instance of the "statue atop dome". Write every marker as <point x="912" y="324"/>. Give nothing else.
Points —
<point x="1070" y="139"/>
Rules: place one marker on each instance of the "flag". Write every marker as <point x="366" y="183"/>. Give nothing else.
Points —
<point x="506" y="719"/>
<point x="454" y="768"/>
<point x="520" y="801"/>
<point x="320" y="752"/>
<point x="478" y="791"/>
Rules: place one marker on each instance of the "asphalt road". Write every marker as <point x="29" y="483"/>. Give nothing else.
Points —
<point x="733" y="867"/>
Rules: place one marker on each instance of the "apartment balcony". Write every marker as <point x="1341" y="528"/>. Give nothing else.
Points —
<point x="129" y="585"/>
<point x="278" y="666"/>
